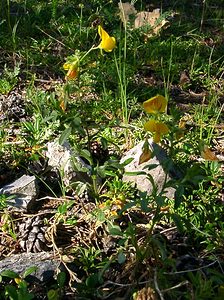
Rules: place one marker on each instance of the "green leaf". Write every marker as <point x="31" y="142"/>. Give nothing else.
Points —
<point x="11" y="291"/>
<point x="178" y="196"/>
<point x="29" y="271"/>
<point x="86" y="154"/>
<point x="64" y="136"/>
<point x="134" y="173"/>
<point x="160" y="200"/>
<point x="9" y="273"/>
<point x="104" y="143"/>
<point x="144" y="205"/>
<point x="61" y="278"/>
<point x="62" y="209"/>
<point x="115" y="230"/>
<point x="178" y="221"/>
<point x="29" y="126"/>
<point x="80" y="187"/>
<point x="127" y="161"/>
<point x="150" y="167"/>
<point x="110" y="173"/>
<point x="92" y="280"/>
<point x="52" y="295"/>
<point x="101" y="170"/>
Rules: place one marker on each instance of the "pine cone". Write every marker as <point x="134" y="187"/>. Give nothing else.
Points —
<point x="98" y="152"/>
<point x="31" y="238"/>
<point x="12" y="106"/>
<point x="145" y="294"/>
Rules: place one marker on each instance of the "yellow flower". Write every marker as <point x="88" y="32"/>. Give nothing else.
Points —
<point x="155" y="105"/>
<point x="108" y="43"/>
<point x="17" y="280"/>
<point x="158" y="129"/>
<point x="73" y="70"/>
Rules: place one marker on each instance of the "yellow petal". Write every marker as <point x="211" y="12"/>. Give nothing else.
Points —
<point x="73" y="72"/>
<point x="157" y="128"/>
<point x="156" y="137"/>
<point x="155" y="104"/>
<point x="66" y="66"/>
<point x="102" y="33"/>
<point x="108" y="43"/>
<point x="17" y="280"/>
<point x="162" y="128"/>
<point x="150" y="125"/>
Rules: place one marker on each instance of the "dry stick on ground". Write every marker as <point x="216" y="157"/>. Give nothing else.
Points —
<point x="51" y="232"/>
<point x="191" y="270"/>
<point x="186" y="282"/>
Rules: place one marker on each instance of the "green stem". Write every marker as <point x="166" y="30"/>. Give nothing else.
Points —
<point x="122" y="91"/>
<point x="92" y="48"/>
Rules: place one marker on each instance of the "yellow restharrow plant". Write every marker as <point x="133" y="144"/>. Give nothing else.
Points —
<point x="108" y="43"/>
<point x="156" y="105"/>
<point x="158" y="129"/>
<point x="73" y="70"/>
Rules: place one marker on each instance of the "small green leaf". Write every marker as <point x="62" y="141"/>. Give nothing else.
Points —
<point x="52" y="295"/>
<point x="178" y="221"/>
<point x="150" y="167"/>
<point x="92" y="280"/>
<point x="115" y="230"/>
<point x="101" y="171"/>
<point x="29" y="271"/>
<point x="9" y="273"/>
<point x="104" y="143"/>
<point x="178" y="196"/>
<point x="160" y="200"/>
<point x="87" y="155"/>
<point x="127" y="161"/>
<point x="11" y="291"/>
<point x="134" y="173"/>
<point x="144" y="205"/>
<point x="64" y="136"/>
<point x="61" y="278"/>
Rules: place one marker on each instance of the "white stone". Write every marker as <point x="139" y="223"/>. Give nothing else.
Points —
<point x="158" y="174"/>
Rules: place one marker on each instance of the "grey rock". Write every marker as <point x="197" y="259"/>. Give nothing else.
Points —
<point x="71" y="166"/>
<point x="25" y="191"/>
<point x="159" y="175"/>
<point x="45" y="262"/>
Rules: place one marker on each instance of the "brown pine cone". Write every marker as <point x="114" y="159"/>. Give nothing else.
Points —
<point x="98" y="152"/>
<point x="31" y="235"/>
<point x="145" y="294"/>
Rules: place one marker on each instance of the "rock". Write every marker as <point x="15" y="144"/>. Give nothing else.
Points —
<point x="25" y="191"/>
<point x="158" y="174"/>
<point x="45" y="262"/>
<point x="70" y="165"/>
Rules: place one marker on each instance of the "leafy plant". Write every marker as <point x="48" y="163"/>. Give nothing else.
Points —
<point x="20" y="291"/>
<point x="9" y="79"/>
